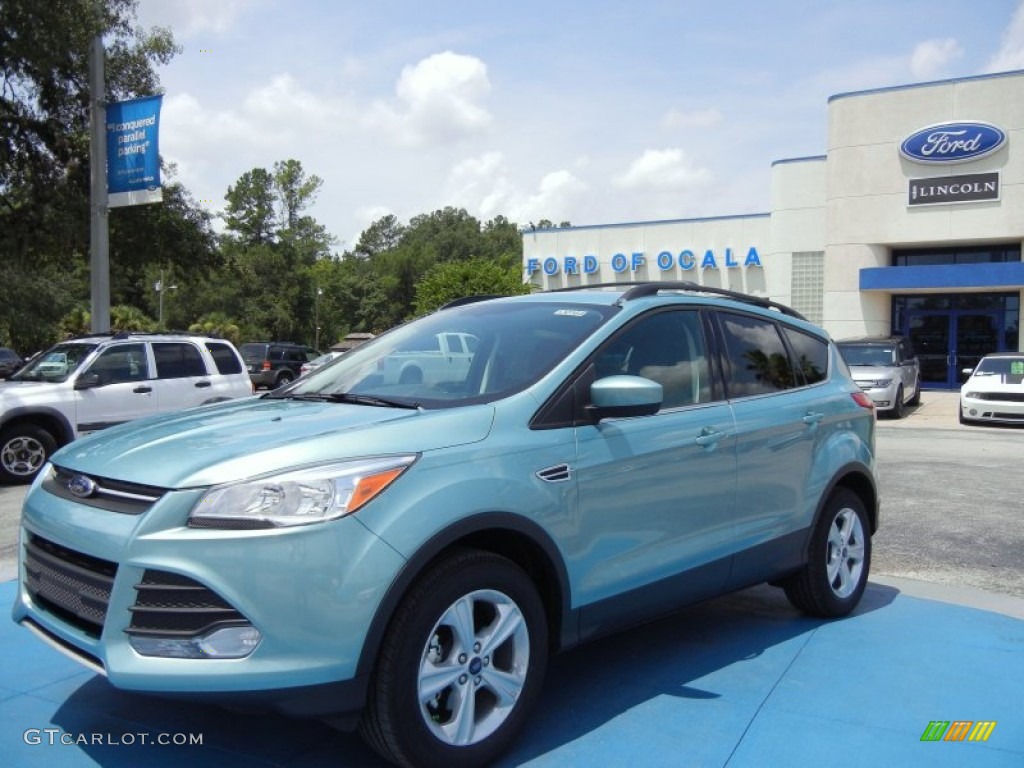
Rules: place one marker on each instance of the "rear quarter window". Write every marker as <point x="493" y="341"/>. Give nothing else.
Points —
<point x="224" y="358"/>
<point x="810" y="353"/>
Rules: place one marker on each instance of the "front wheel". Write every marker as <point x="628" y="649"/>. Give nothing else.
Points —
<point x="24" y="449"/>
<point x="461" y="665"/>
<point x="833" y="580"/>
<point x="897" y="406"/>
<point x="916" y="399"/>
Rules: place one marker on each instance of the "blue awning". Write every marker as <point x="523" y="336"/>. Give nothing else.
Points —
<point x="948" y="277"/>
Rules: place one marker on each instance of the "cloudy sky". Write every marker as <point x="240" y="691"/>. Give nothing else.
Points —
<point x="592" y="111"/>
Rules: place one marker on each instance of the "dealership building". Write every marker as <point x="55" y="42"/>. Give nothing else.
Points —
<point x="911" y="224"/>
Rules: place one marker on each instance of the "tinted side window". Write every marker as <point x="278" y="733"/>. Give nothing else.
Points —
<point x="811" y="355"/>
<point x="121" y="363"/>
<point x="757" y="357"/>
<point x="666" y="347"/>
<point x="176" y="360"/>
<point x="224" y="357"/>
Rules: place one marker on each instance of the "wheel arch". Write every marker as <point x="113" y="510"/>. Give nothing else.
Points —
<point x="859" y="479"/>
<point x="520" y="540"/>
<point x="53" y="421"/>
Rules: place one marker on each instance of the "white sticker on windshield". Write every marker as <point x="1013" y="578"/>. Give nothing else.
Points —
<point x="571" y="312"/>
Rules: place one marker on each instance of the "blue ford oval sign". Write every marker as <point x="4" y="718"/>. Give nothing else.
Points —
<point x="952" y="142"/>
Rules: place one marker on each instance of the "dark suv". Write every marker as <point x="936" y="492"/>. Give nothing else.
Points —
<point x="10" y="361"/>
<point x="274" y="363"/>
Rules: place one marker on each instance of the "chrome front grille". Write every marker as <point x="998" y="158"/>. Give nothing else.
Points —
<point x="103" y="493"/>
<point x="71" y="585"/>
<point x="169" y="604"/>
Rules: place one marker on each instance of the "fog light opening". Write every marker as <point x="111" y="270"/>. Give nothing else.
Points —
<point x="225" y="643"/>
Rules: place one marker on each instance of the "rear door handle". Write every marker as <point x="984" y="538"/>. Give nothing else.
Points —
<point x="813" y="418"/>
<point x="201" y="384"/>
<point x="143" y="390"/>
<point x="709" y="436"/>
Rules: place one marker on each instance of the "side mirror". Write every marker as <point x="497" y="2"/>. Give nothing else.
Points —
<point x="620" y="396"/>
<point x="87" y="381"/>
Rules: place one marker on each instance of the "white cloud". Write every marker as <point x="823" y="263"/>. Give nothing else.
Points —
<point x="662" y="169"/>
<point x="1011" y="52"/>
<point x="439" y="100"/>
<point x="483" y="186"/>
<point x="701" y="118"/>
<point x="191" y="17"/>
<point x="930" y="58"/>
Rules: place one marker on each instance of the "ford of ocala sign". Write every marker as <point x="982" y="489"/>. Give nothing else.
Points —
<point x="952" y="142"/>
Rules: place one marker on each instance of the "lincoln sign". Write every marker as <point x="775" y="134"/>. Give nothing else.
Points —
<point x="969" y="188"/>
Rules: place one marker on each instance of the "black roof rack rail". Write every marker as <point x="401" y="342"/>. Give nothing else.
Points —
<point x="640" y="290"/>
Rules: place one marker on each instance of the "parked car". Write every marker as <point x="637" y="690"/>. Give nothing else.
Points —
<point x="405" y="555"/>
<point x="86" y="384"/>
<point x="995" y="390"/>
<point x="324" y="359"/>
<point x="10" y="361"/>
<point x="887" y="369"/>
<point x="272" y="364"/>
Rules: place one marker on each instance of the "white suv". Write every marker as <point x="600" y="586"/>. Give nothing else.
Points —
<point x="88" y="383"/>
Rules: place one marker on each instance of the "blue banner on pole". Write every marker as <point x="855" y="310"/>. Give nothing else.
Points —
<point x="133" y="156"/>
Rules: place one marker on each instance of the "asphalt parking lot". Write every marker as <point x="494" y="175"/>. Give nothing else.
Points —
<point x="739" y="681"/>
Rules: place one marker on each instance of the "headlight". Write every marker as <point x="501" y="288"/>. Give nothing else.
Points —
<point x="883" y="383"/>
<point x="299" y="497"/>
<point x="972" y="395"/>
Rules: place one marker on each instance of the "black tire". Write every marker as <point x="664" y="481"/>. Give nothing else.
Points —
<point x="283" y="378"/>
<point x="916" y="399"/>
<point x="840" y="534"/>
<point x="897" y="404"/>
<point x="410" y="733"/>
<point x="24" y="450"/>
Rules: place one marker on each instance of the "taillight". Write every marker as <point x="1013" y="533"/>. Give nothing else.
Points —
<point x="863" y="400"/>
<point x="266" y="365"/>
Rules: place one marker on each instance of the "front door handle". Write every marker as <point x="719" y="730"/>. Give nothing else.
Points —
<point x="143" y="390"/>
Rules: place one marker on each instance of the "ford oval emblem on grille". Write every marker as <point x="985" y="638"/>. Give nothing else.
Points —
<point x="81" y="486"/>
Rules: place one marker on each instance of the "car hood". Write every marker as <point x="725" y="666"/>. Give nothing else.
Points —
<point x="872" y="371"/>
<point x="244" y="438"/>
<point x="13" y="393"/>
<point x="994" y="383"/>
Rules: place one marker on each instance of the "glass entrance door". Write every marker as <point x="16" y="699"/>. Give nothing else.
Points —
<point x="976" y="336"/>
<point x="929" y="334"/>
<point x="946" y="342"/>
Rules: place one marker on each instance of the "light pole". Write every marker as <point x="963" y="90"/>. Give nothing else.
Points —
<point x="316" y="316"/>
<point x="158" y="286"/>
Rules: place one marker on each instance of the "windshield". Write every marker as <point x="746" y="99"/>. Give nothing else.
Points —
<point x="470" y="354"/>
<point x="1010" y="370"/>
<point x="868" y="354"/>
<point x="56" y="363"/>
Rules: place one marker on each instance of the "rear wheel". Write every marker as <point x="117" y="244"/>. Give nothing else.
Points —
<point x="836" y="573"/>
<point x="285" y="377"/>
<point x="460" y="666"/>
<point x="24" y="449"/>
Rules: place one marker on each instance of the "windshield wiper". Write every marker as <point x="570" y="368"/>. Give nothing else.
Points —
<point x="385" y="402"/>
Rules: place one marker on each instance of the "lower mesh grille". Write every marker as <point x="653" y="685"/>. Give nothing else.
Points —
<point x="172" y="605"/>
<point x="73" y="586"/>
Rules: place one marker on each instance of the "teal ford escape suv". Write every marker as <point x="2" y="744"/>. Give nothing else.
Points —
<point x="405" y="555"/>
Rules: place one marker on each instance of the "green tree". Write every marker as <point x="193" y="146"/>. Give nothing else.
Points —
<point x="382" y="235"/>
<point x="295" y="190"/>
<point x="249" y="213"/>
<point x="474" y="277"/>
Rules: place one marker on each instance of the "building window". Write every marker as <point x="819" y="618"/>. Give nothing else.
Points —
<point x="807" y="285"/>
<point x="981" y="254"/>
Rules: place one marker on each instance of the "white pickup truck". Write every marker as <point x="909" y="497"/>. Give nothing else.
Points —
<point x="447" y="359"/>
